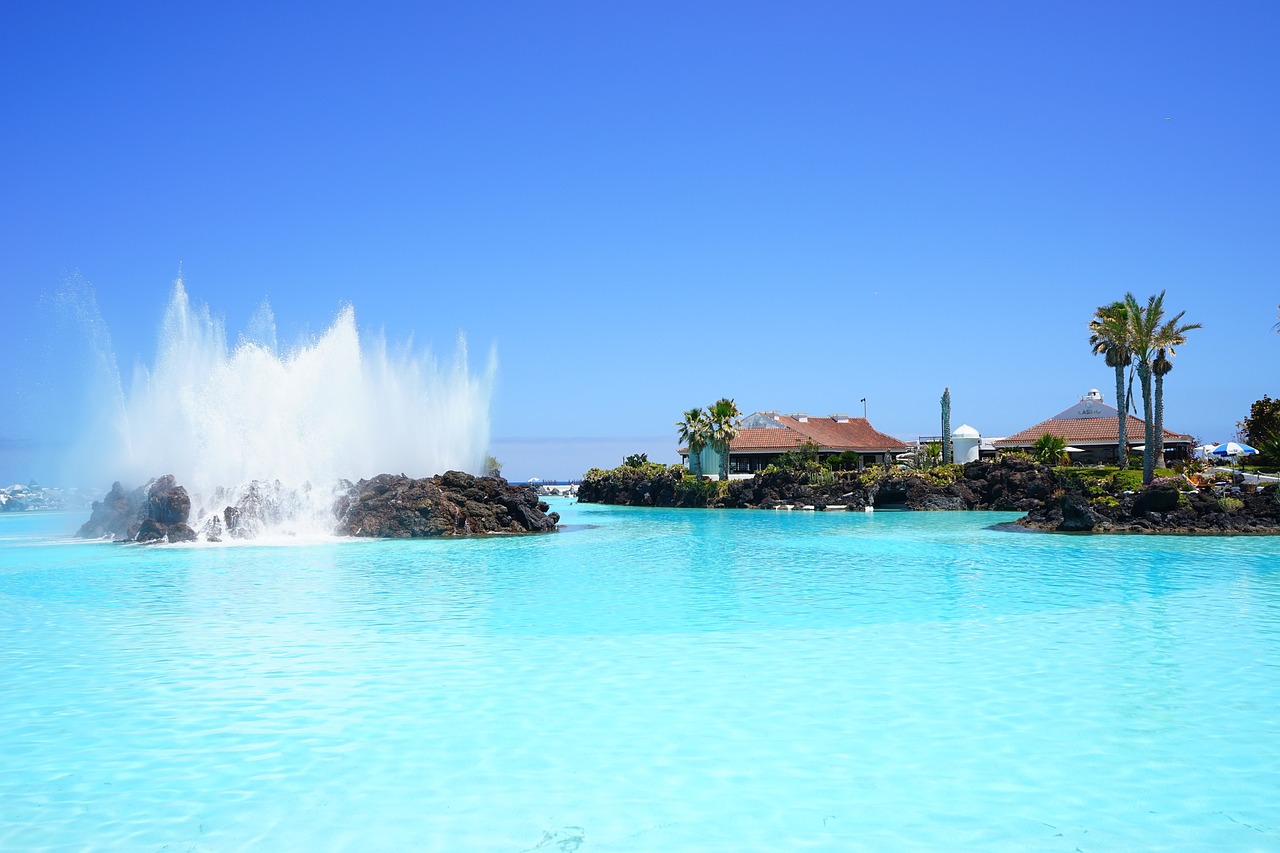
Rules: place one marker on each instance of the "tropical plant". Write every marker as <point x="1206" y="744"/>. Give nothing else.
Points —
<point x="1144" y="326"/>
<point x="1049" y="449"/>
<point x="695" y="432"/>
<point x="1262" y="428"/>
<point x="635" y="460"/>
<point x="1169" y="336"/>
<point x="804" y="456"/>
<point x="1230" y="504"/>
<point x="492" y="467"/>
<point x="847" y="461"/>
<point x="932" y="453"/>
<point x="725" y="421"/>
<point x="1109" y="337"/>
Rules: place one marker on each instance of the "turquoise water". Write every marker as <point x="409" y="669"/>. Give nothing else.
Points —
<point x="644" y="680"/>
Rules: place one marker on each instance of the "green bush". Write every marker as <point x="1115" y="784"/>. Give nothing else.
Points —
<point x="847" y="461"/>
<point x="1228" y="504"/>
<point x="1091" y="482"/>
<point x="943" y="475"/>
<point x="1108" y="501"/>
<point x="1122" y="481"/>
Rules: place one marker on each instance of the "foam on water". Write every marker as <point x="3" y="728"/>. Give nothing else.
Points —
<point x="297" y="420"/>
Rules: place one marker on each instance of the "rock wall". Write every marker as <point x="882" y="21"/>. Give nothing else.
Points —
<point x="390" y="506"/>
<point x="1162" y="509"/>
<point x="158" y="511"/>
<point x="1012" y="484"/>
<point x="452" y="504"/>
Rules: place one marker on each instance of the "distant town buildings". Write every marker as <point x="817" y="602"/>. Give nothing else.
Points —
<point x="20" y="498"/>
<point x="1089" y="426"/>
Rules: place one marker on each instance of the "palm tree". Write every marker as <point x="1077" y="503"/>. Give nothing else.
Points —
<point x="1049" y="449"/>
<point x="695" y="430"/>
<point x="1144" y="323"/>
<point x="1109" y="337"/>
<point x="724" y="419"/>
<point x="1168" y="336"/>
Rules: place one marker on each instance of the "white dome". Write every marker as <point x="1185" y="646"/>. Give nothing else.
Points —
<point x="965" y="431"/>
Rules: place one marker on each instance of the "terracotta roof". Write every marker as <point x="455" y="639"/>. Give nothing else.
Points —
<point x="1086" y="431"/>
<point x="765" y="440"/>
<point x="854" y="434"/>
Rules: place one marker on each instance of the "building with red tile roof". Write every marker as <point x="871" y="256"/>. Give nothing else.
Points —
<point x="1094" y="427"/>
<point x="763" y="436"/>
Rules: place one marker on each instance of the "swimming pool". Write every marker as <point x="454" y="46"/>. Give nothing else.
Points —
<point x="644" y="680"/>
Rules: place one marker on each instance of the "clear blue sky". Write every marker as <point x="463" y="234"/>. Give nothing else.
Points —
<point x="647" y="206"/>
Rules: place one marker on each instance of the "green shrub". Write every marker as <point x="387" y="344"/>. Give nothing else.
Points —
<point x="1087" y="480"/>
<point x="822" y="477"/>
<point x="1108" y="501"/>
<point x="697" y="491"/>
<point x="847" y="461"/>
<point x="943" y="475"/>
<point x="1228" y="504"/>
<point x="1123" y="481"/>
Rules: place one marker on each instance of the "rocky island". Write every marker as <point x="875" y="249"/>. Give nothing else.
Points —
<point x="386" y="506"/>
<point x="1054" y="500"/>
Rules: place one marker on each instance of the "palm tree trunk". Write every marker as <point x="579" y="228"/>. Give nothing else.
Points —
<point x="1148" y="449"/>
<point x="724" y="461"/>
<point x="695" y="461"/>
<point x="1159" y="425"/>
<point x="1122" y="428"/>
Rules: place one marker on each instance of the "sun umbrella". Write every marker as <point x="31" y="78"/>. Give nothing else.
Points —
<point x="1232" y="448"/>
<point x="1074" y="449"/>
<point x="1204" y="449"/>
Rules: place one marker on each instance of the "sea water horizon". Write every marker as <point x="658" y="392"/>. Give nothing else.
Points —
<point x="645" y="679"/>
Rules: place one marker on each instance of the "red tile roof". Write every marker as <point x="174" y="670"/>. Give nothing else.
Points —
<point x="855" y="434"/>
<point x="1086" y="431"/>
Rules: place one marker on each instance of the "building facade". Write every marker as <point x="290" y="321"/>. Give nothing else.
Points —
<point x="764" y="436"/>
<point x="1093" y="426"/>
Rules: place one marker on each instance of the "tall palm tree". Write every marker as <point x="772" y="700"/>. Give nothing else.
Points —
<point x="725" y="419"/>
<point x="1109" y="337"/>
<point x="1144" y="323"/>
<point x="1169" y="335"/>
<point x="695" y="430"/>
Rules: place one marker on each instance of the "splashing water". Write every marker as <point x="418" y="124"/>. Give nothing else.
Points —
<point x="220" y="418"/>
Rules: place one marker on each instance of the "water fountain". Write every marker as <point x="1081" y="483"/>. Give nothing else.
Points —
<point x="285" y="424"/>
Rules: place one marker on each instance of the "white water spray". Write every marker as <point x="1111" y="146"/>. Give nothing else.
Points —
<point x="219" y="418"/>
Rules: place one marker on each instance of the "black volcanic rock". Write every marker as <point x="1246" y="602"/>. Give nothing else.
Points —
<point x="1163" y="509"/>
<point x="451" y="504"/>
<point x="146" y="514"/>
<point x="115" y="513"/>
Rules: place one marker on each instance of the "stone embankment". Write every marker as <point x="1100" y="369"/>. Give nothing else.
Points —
<point x="386" y="506"/>
<point x="1051" y="502"/>
<point x="1012" y="484"/>
<point x="1162" y="508"/>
